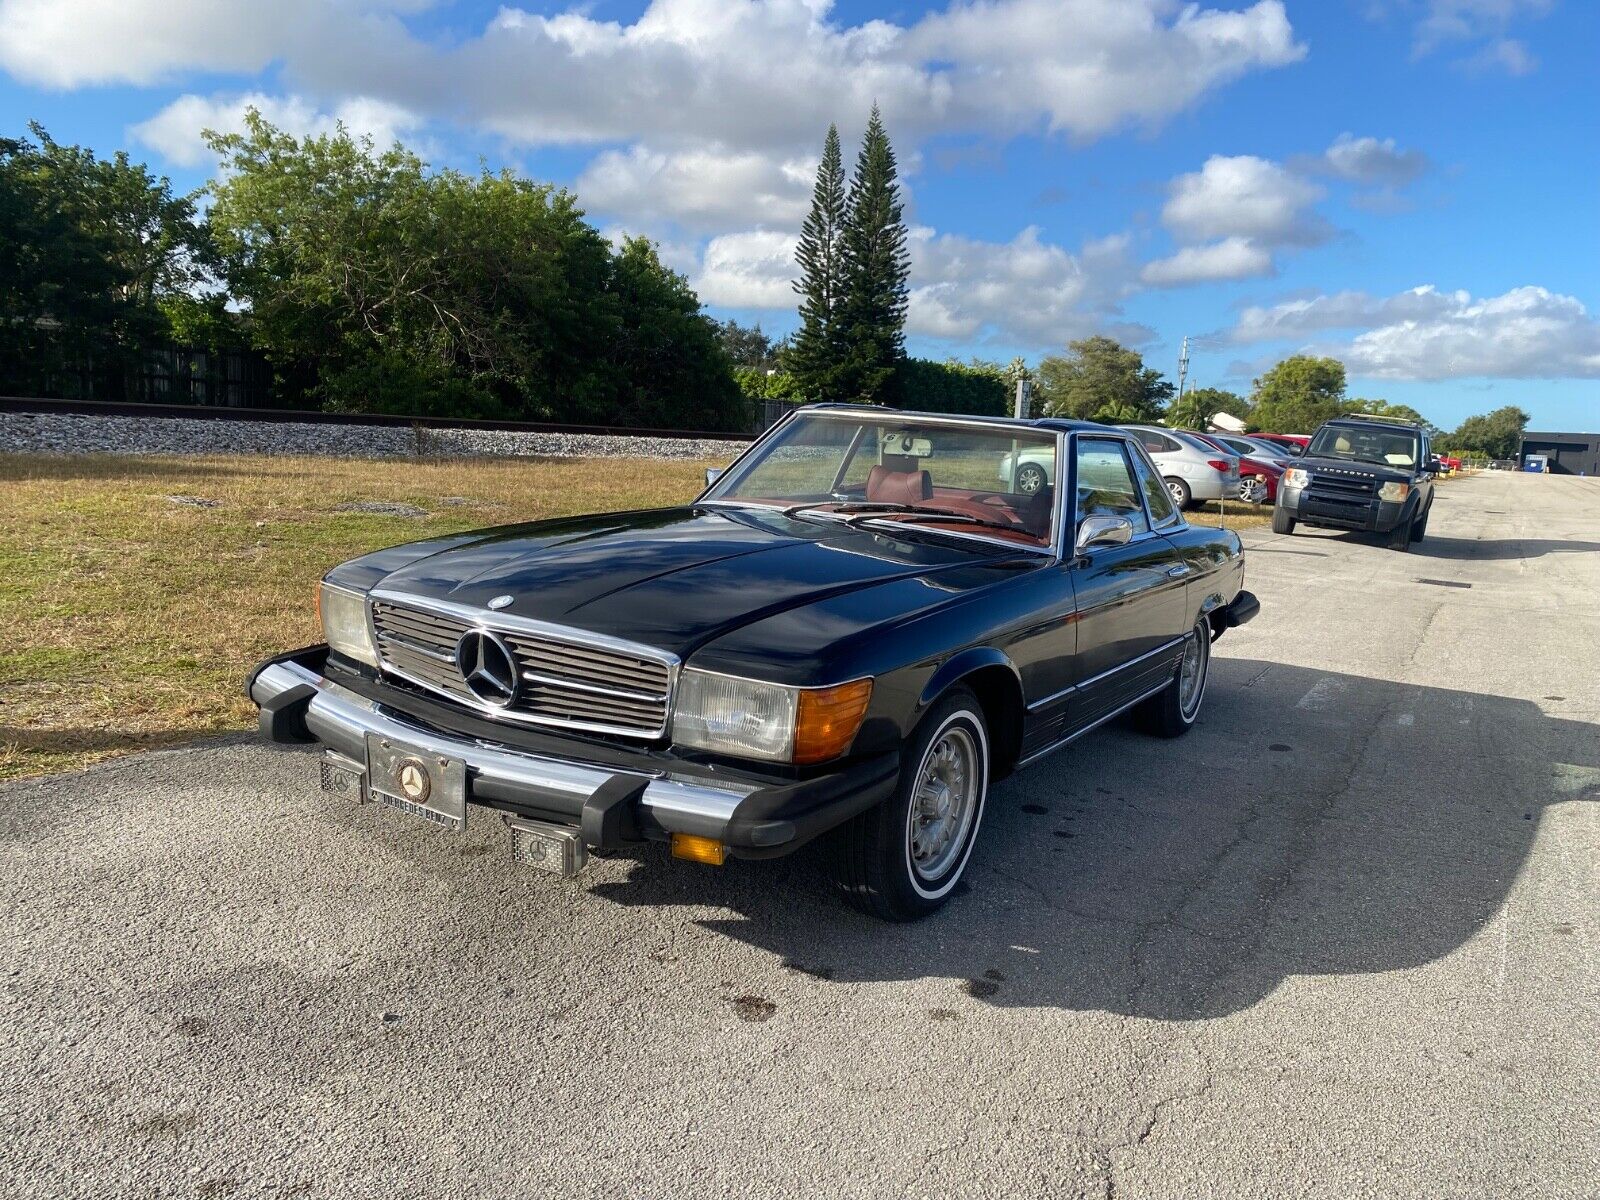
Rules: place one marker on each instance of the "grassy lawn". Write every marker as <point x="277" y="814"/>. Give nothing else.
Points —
<point x="128" y="619"/>
<point x="1230" y="514"/>
<point x="129" y="614"/>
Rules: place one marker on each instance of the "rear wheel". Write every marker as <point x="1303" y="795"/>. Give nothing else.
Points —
<point x="1282" y="522"/>
<point x="903" y="859"/>
<point x="1179" y="491"/>
<point x="1172" y="711"/>
<point x="1253" y="489"/>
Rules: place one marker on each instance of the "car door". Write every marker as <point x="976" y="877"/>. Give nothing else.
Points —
<point x="1130" y="598"/>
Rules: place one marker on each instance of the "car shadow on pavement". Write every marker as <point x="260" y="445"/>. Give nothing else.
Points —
<point x="1313" y="823"/>
<point x="1465" y="549"/>
<point x="1498" y="548"/>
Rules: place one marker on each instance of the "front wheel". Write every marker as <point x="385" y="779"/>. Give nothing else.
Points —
<point x="1179" y="491"/>
<point x="902" y="860"/>
<point x="1172" y="711"/>
<point x="1420" y="528"/>
<point x="1282" y="522"/>
<point x="1400" y="536"/>
<point x="1031" y="479"/>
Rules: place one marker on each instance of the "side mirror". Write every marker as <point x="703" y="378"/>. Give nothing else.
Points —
<point x="1103" y="531"/>
<point x="712" y="475"/>
<point x="1434" y="465"/>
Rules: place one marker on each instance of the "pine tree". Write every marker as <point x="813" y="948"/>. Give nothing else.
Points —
<point x="876" y="270"/>
<point x="813" y="359"/>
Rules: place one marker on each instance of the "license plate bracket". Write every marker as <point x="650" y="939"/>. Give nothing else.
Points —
<point x="415" y="781"/>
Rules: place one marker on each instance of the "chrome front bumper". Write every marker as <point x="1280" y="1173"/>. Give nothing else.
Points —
<point x="591" y="796"/>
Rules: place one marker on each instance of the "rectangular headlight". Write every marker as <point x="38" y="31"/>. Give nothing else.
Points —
<point x="344" y="624"/>
<point x="1394" y="491"/>
<point x="740" y="717"/>
<point x="750" y="719"/>
<point x="1296" y="477"/>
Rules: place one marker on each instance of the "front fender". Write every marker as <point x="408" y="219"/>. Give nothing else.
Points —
<point x="961" y="664"/>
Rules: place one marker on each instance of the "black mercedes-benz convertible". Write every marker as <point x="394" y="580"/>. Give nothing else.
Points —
<point x="862" y="623"/>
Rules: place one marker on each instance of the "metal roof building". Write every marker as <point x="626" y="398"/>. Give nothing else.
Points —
<point x="1566" y="453"/>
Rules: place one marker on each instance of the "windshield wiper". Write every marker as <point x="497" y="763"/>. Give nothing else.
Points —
<point x="923" y="512"/>
<point x="847" y="506"/>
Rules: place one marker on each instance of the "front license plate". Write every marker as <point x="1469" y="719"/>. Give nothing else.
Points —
<point x="425" y="785"/>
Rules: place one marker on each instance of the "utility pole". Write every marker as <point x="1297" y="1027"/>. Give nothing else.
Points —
<point x="1183" y="365"/>
<point x="1024" y="399"/>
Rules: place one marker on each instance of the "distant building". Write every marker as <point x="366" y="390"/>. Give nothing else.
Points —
<point x="1564" y="453"/>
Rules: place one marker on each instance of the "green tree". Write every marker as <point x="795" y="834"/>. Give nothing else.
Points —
<point x="815" y="354"/>
<point x="1194" y="409"/>
<point x="1496" y="434"/>
<point x="392" y="288"/>
<point x="1099" y="379"/>
<point x="746" y="346"/>
<point x="876" y="273"/>
<point x="673" y="370"/>
<point x="1298" y="394"/>
<point x="91" y="250"/>
<point x="974" y="387"/>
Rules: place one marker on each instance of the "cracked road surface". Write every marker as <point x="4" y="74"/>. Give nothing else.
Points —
<point x="1340" y="941"/>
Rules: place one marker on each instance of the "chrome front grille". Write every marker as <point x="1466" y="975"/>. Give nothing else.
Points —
<point x="568" y="679"/>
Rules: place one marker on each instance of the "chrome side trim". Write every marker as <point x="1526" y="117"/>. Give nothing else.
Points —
<point x="1093" y="679"/>
<point x="1092" y="726"/>
<point x="340" y="719"/>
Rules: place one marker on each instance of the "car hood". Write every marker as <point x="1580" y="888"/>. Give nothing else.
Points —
<point x="1344" y="466"/>
<point x="676" y="578"/>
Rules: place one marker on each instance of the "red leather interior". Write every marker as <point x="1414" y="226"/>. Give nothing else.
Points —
<point x="1029" y="516"/>
<point x="898" y="487"/>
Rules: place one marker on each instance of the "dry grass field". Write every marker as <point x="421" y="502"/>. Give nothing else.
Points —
<point x="129" y="613"/>
<point x="135" y="593"/>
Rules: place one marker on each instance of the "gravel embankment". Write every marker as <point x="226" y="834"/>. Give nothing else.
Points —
<point x="53" y="433"/>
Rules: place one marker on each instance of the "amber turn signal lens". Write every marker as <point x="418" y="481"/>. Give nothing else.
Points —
<point x="826" y="720"/>
<point x="699" y="849"/>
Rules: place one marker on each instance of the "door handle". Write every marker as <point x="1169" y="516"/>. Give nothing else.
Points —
<point x="1177" y="572"/>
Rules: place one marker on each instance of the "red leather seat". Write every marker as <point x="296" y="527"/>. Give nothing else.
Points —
<point x="898" y="487"/>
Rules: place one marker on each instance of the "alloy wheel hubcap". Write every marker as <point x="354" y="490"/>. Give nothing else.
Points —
<point x="944" y="805"/>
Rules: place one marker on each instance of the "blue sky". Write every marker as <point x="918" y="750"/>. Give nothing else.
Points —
<point x="1408" y="184"/>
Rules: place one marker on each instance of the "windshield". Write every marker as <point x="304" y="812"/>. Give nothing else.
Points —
<point x="1385" y="447"/>
<point x="993" y="482"/>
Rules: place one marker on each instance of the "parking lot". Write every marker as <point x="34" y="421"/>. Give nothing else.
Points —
<point x="1339" y="941"/>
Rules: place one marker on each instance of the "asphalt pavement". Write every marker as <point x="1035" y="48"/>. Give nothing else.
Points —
<point x="1339" y="941"/>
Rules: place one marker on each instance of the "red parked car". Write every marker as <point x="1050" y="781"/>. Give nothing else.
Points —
<point x="1294" y="443"/>
<point x="1258" y="476"/>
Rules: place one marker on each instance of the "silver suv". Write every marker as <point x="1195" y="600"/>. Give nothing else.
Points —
<point x="1192" y="470"/>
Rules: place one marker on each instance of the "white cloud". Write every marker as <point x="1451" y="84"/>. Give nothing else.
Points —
<point x="963" y="287"/>
<point x="1023" y="292"/>
<point x="740" y="74"/>
<point x="698" y="189"/>
<point x="1367" y="160"/>
<point x="748" y="270"/>
<point x="175" y="132"/>
<point x="1485" y="24"/>
<point x="1468" y="20"/>
<point x="1425" y="334"/>
<point x="1088" y="66"/>
<point x="1245" y="197"/>
<point x="69" y="43"/>
<point x="1231" y="258"/>
<point x="1503" y="54"/>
